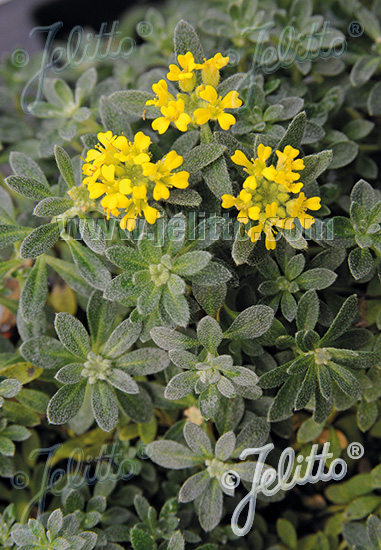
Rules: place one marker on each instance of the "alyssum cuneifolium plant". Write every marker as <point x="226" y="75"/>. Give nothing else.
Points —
<point x="322" y="369"/>
<point x="207" y="332"/>
<point x="207" y="486"/>
<point x="208" y="373"/>
<point x="96" y="373"/>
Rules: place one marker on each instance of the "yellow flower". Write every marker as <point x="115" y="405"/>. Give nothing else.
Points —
<point x="283" y="172"/>
<point x="174" y="112"/>
<point x="160" y="173"/>
<point x="185" y="75"/>
<point x="211" y="69"/>
<point x="267" y="194"/>
<point x="254" y="167"/>
<point x="162" y="94"/>
<point x="132" y="180"/>
<point x="216" y="107"/>
<point x="297" y="209"/>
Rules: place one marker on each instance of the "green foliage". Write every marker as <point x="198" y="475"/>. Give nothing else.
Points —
<point x="158" y="355"/>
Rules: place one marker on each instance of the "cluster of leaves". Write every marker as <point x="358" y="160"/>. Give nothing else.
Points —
<point x="185" y="336"/>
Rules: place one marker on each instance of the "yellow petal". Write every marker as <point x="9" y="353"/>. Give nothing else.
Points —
<point x="209" y="94"/>
<point x="241" y="159"/>
<point x="225" y="120"/>
<point x="182" y="122"/>
<point x="108" y="172"/>
<point x="172" y="160"/>
<point x="139" y="192"/>
<point x="202" y="116"/>
<point x="150" y="214"/>
<point x="313" y="203"/>
<point x="160" y="124"/>
<point x="254" y="212"/>
<point x="125" y="186"/>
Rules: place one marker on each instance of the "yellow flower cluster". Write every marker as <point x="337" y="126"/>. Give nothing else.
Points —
<point x="271" y="197"/>
<point x="193" y="105"/>
<point x="122" y="173"/>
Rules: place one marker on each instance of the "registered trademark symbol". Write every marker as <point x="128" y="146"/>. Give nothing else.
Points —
<point x="355" y="450"/>
<point x="355" y="29"/>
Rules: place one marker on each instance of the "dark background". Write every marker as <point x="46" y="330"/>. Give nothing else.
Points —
<point x="18" y="17"/>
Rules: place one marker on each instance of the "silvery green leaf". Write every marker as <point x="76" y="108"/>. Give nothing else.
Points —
<point x="114" y="119"/>
<point x="254" y="434"/>
<point x="288" y="306"/>
<point x="180" y="385"/>
<point x="210" y="507"/>
<point x="360" y="261"/>
<point x="122" y="338"/>
<point x="186" y="142"/>
<point x="100" y="316"/>
<point x="10" y="234"/>
<point x="126" y="258"/>
<point x="176" y="285"/>
<point x="209" y="334"/>
<point x="133" y="102"/>
<point x="225" y="446"/>
<point x="186" y="40"/>
<point x="294" y="133"/>
<point x="90" y="267"/>
<point x="55" y="522"/>
<point x="308" y="311"/>
<point x="52" y="206"/>
<point x="22" y="165"/>
<point x="344" y="152"/>
<point x="202" y="155"/>
<point x="176" y="542"/>
<point x="176" y="305"/>
<point x="213" y="274"/>
<point x="34" y="291"/>
<point x="144" y="361"/>
<point x="149" y="298"/>
<point x="70" y="374"/>
<point x="28" y="187"/>
<point x="225" y="387"/>
<point x="194" y="487"/>
<point x="122" y="289"/>
<point x="85" y="85"/>
<point x="251" y="323"/>
<point x="281" y="407"/>
<point x="342" y="321"/>
<point x="363" y="69"/>
<point x="93" y="236"/>
<point x="171" y="339"/>
<point x="191" y="263"/>
<point x="70" y="275"/>
<point x="210" y="298"/>
<point x="217" y="177"/>
<point x="65" y="165"/>
<point x="374" y="102"/>
<point x="229" y="414"/>
<point x="72" y="334"/>
<point x="137" y="406"/>
<point x="10" y="388"/>
<point x="316" y="279"/>
<point x="209" y="401"/>
<point x="104" y="406"/>
<point x="66" y="403"/>
<point x="183" y="359"/>
<point x="46" y="352"/>
<point x="197" y="440"/>
<point x="122" y="381"/>
<point x="172" y="455"/>
<point x="141" y="540"/>
<point x="345" y="380"/>
<point x="40" y="240"/>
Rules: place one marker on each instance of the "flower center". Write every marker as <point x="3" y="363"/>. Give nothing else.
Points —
<point x="322" y="356"/>
<point x="96" y="368"/>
